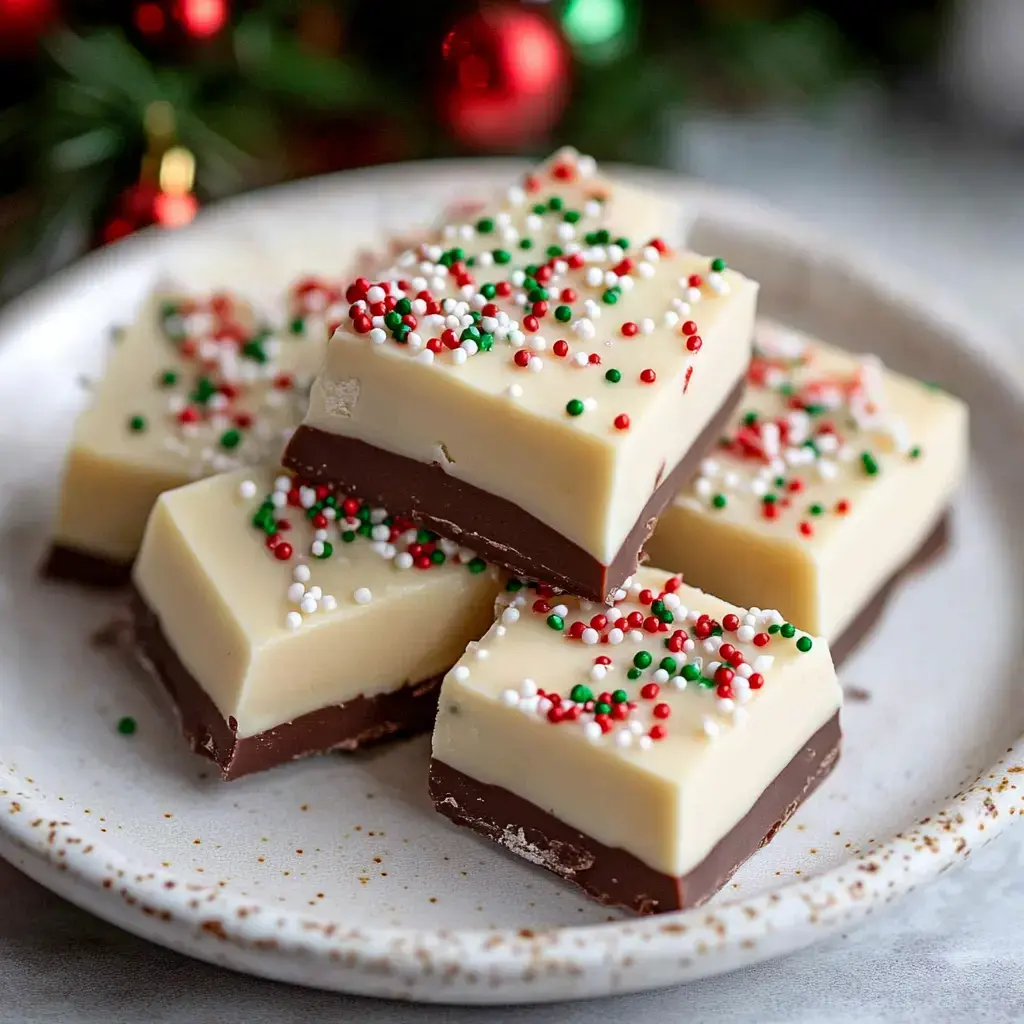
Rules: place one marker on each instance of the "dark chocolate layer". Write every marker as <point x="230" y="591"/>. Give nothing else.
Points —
<point x="610" y="874"/>
<point x="73" y="566"/>
<point x="356" y="723"/>
<point x="864" y="622"/>
<point x="496" y="528"/>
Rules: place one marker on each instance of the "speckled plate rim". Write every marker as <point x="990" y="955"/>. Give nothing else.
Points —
<point x="478" y="966"/>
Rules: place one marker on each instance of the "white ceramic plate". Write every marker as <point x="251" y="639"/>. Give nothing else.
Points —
<point x="335" y="872"/>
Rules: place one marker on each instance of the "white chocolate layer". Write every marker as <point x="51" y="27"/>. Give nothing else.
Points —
<point x="667" y="801"/>
<point x="224" y="602"/>
<point x="818" y="561"/>
<point x="508" y="428"/>
<point x="125" y="470"/>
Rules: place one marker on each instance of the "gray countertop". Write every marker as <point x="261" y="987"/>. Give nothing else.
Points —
<point x="954" y="951"/>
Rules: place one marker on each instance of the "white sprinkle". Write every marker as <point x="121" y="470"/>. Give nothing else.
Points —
<point x="763" y="663"/>
<point x="296" y="592"/>
<point x="308" y="605"/>
<point x="670" y="318"/>
<point x="598" y="672"/>
<point x="592" y="731"/>
<point x="590" y="636"/>
<point x="594" y="276"/>
<point x="636" y="635"/>
<point x="671" y="601"/>
<point x="301" y="574"/>
<point x="645" y="742"/>
<point x="362" y="595"/>
<point x="426" y="357"/>
<point x="709" y="468"/>
<point x="635" y="727"/>
<point x="458" y="356"/>
<point x="293" y="620"/>
<point x="317" y="548"/>
<point x="528" y="705"/>
<point x="745" y="634"/>
<point x="247" y="489"/>
<point x="510" y="615"/>
<point x="509" y="698"/>
<point x="580" y="359"/>
<point x="481" y="653"/>
<point x="536" y="364"/>
<point x="561" y="610"/>
<point x="679" y="682"/>
<point x="623" y="738"/>
<point x="544" y="705"/>
<point x="378" y="336"/>
<point x="620" y="594"/>
<point x="615" y="636"/>
<point x="626" y="283"/>
<point x="527" y="688"/>
<point x="659" y="675"/>
<point x="514" y="391"/>
<point x="647" y="325"/>
<point x="403" y="560"/>
<point x="711" y="727"/>
<point x="725" y="705"/>
<point x="703" y="487"/>
<point x="460" y="673"/>
<point x="589" y="404"/>
<point x="328" y="603"/>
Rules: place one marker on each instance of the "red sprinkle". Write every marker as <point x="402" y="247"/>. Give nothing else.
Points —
<point x="761" y="640"/>
<point x="576" y="630"/>
<point x="648" y="376"/>
<point x="531" y="323"/>
<point x="662" y="711"/>
<point x="652" y="624"/>
<point x="658" y="732"/>
<point x="731" y="622"/>
<point x="724" y="690"/>
<point x="599" y="622"/>
<point x="756" y="680"/>
<point x="635" y="619"/>
<point x="522" y="357"/>
<point x="568" y="295"/>
<point x="693" y="343"/>
<point x="541" y="607"/>
<point x="283" y="551"/>
<point x="806" y="529"/>
<point x="621" y="421"/>
<point x="649" y="691"/>
<point x="629" y="329"/>
<point x="602" y="659"/>
<point x="842" y="506"/>
<point x="560" y="348"/>
<point x="645" y="596"/>
<point x="690" y="327"/>
<point x="673" y="583"/>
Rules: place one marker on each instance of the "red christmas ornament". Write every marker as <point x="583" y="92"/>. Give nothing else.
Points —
<point x="505" y="78"/>
<point x="195" y="19"/>
<point x="22" y="22"/>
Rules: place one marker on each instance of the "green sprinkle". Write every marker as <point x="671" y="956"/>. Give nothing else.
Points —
<point x="786" y="389"/>
<point x="622" y="243"/>
<point x="476" y="565"/>
<point x="804" y="644"/>
<point x="667" y="617"/>
<point x="230" y="438"/>
<point x="601" y="708"/>
<point x="126" y="726"/>
<point x="690" y="673"/>
<point x="168" y="378"/>
<point x="613" y="376"/>
<point x="669" y="665"/>
<point x="297" y="325"/>
<point x="486" y="342"/>
<point x="773" y="628"/>
<point x="816" y="509"/>
<point x="348" y="536"/>
<point x="619" y="696"/>
<point x="555" y="203"/>
<point x="563" y="314"/>
<point x="401" y="333"/>
<point x="364" y="515"/>
<point x="365" y="530"/>
<point x="642" y="659"/>
<point x="485" y="225"/>
<point x="788" y="630"/>
<point x="254" y="350"/>
<point x="403" y="306"/>
<point x="437" y="557"/>
<point x="538" y="295"/>
<point x="915" y="452"/>
<point x="470" y="333"/>
<point x="205" y="390"/>
<point x="657" y="606"/>
<point x="553" y="251"/>
<point x="580" y="694"/>
<point x="719" y="501"/>
<point x="514" y="585"/>
<point x="571" y="216"/>
<point x="633" y="673"/>
<point x="780" y="481"/>
<point x="813" y="409"/>
<point x="574" y="407"/>
<point x="392" y="319"/>
<point x="526" y="243"/>
<point x="602" y="236"/>
<point x="488" y="291"/>
<point x="770" y="499"/>
<point x="137" y="424"/>
<point x="539" y="208"/>
<point x="327" y="551"/>
<point x="870" y="463"/>
<point x="610" y="297"/>
<point x="750" y="418"/>
<point x="718" y="265"/>
<point x="501" y="255"/>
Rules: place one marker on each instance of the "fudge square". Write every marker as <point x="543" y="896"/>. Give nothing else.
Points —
<point x="642" y="751"/>
<point x="533" y="385"/>
<point x="194" y="386"/>
<point x="285" y="622"/>
<point x="832" y="478"/>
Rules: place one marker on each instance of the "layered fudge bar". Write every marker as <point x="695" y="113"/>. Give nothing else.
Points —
<point x="534" y="384"/>
<point x="642" y="750"/>
<point x="194" y="386"/>
<point x="285" y="620"/>
<point x="832" y="478"/>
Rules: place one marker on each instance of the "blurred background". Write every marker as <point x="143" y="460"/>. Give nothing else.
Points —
<point x="119" y="114"/>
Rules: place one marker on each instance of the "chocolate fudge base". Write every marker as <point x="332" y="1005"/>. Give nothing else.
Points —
<point x="610" y="874"/>
<point x="71" y="565"/>
<point x="865" y="621"/>
<point x="356" y="723"/>
<point x="495" y="528"/>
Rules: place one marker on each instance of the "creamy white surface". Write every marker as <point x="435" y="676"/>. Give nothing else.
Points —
<point x="820" y="581"/>
<point x="669" y="804"/>
<point x="504" y="428"/>
<point x="222" y="600"/>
